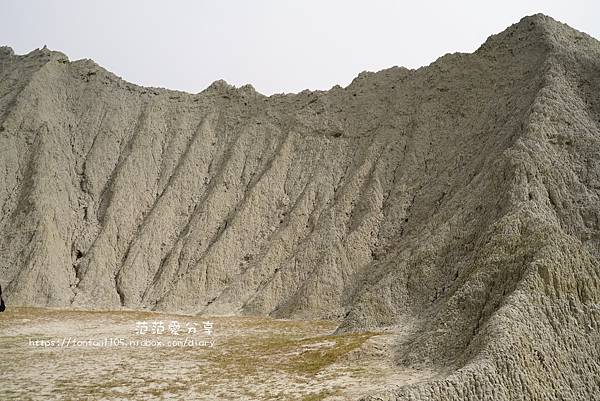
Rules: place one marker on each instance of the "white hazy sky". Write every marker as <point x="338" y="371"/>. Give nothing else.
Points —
<point x="276" y="45"/>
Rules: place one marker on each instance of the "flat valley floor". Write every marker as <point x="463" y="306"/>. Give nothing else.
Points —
<point x="52" y="354"/>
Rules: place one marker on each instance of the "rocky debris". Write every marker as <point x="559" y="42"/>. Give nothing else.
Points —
<point x="463" y="195"/>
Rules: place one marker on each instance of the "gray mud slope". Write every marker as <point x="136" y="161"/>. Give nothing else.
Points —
<point x="464" y="194"/>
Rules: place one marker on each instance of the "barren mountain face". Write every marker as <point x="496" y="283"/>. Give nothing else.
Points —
<point x="464" y="196"/>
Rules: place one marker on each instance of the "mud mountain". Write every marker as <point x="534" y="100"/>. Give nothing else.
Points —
<point x="462" y="197"/>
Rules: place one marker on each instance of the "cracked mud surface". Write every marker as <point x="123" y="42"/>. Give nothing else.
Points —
<point x="253" y="358"/>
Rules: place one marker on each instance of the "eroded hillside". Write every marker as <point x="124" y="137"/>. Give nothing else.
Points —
<point x="464" y="195"/>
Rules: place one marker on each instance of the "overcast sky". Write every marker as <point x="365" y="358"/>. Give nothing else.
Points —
<point x="276" y="45"/>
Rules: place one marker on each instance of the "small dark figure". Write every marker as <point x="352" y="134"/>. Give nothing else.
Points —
<point x="2" y="306"/>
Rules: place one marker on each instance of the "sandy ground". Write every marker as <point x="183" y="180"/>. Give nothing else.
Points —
<point x="47" y="354"/>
